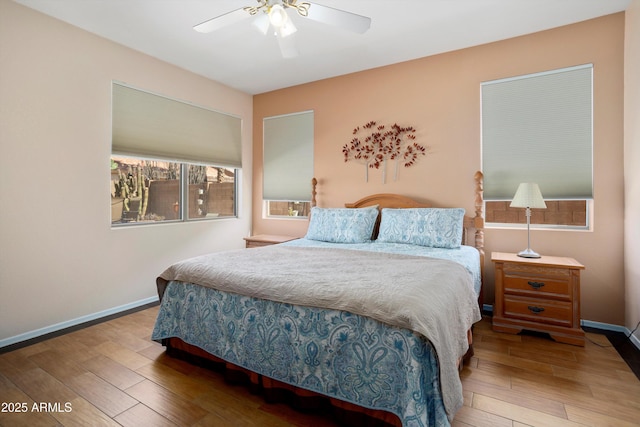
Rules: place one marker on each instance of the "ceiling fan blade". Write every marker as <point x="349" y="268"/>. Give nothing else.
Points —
<point x="222" y="21"/>
<point x="339" y="18"/>
<point x="287" y="46"/>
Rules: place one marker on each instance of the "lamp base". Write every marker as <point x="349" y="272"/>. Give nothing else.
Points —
<point x="528" y="253"/>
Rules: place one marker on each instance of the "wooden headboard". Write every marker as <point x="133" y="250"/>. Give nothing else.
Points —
<point x="473" y="226"/>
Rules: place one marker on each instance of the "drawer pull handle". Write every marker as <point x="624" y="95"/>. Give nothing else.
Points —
<point x="536" y="285"/>
<point x="535" y="309"/>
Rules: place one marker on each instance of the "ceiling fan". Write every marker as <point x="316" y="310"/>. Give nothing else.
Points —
<point x="273" y="13"/>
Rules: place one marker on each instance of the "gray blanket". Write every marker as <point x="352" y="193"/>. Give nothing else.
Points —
<point x="430" y="296"/>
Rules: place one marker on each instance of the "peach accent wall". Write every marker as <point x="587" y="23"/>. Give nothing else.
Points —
<point x="60" y="260"/>
<point x="440" y="97"/>
<point x="632" y="171"/>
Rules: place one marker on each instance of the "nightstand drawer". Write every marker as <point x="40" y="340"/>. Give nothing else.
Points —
<point x="538" y="310"/>
<point x="537" y="285"/>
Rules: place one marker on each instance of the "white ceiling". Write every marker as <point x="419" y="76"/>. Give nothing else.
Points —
<point x="243" y="58"/>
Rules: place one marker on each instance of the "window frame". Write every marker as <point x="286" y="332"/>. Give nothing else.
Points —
<point x="183" y="196"/>
<point x="289" y="133"/>
<point x="521" y="124"/>
<point x="266" y="209"/>
<point x="543" y="226"/>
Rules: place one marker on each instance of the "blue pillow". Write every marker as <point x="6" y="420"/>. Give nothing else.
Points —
<point x="432" y="227"/>
<point x="342" y="225"/>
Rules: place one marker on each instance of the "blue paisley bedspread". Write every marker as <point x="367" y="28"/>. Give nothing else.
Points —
<point x="335" y="353"/>
<point x="347" y="356"/>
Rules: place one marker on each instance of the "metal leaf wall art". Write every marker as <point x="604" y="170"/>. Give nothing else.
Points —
<point x="374" y="144"/>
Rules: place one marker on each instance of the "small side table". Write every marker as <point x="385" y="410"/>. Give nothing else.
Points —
<point x="266" y="240"/>
<point x="538" y="294"/>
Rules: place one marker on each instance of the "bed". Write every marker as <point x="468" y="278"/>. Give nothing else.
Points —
<point x="371" y="312"/>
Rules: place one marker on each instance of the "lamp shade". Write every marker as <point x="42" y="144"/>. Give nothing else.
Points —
<point x="528" y="195"/>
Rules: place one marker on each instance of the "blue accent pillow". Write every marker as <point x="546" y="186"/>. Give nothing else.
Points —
<point x="432" y="227"/>
<point x="342" y="225"/>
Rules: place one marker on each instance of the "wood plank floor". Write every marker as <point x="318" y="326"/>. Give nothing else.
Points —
<point x="112" y="374"/>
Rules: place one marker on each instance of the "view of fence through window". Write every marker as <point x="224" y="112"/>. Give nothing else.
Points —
<point x="572" y="213"/>
<point x="148" y="191"/>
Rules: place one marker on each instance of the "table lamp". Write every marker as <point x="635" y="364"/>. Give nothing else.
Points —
<point x="528" y="196"/>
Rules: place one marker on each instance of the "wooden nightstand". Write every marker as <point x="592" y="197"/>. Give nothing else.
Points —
<point x="266" y="240"/>
<point x="538" y="294"/>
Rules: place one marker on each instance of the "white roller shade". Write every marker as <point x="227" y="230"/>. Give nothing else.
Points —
<point x="538" y="128"/>
<point x="149" y="125"/>
<point x="288" y="157"/>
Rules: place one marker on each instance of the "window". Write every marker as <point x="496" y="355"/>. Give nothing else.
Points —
<point x="171" y="161"/>
<point x="148" y="191"/>
<point x="288" y="164"/>
<point x="538" y="128"/>
<point x="288" y="209"/>
<point x="559" y="213"/>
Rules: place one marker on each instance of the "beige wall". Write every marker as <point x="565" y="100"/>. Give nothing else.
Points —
<point x="63" y="263"/>
<point x="632" y="171"/>
<point x="440" y="97"/>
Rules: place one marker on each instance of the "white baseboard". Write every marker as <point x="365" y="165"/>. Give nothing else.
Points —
<point x="74" y="322"/>
<point x="604" y="326"/>
<point x="591" y="324"/>
<point x="615" y="328"/>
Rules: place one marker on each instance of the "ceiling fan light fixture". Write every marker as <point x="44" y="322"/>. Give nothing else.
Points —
<point x="277" y="15"/>
<point x="275" y="12"/>
<point x="262" y="23"/>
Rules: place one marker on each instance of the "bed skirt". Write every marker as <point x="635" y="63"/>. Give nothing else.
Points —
<point x="273" y="391"/>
